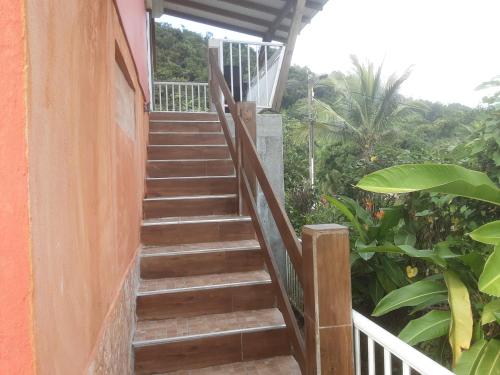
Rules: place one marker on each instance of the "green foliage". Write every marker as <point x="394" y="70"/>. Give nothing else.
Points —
<point x="451" y="179"/>
<point x="402" y="238"/>
<point x="432" y="325"/>
<point x="481" y="359"/>
<point x="410" y="295"/>
<point x="438" y="178"/>
<point x="181" y="55"/>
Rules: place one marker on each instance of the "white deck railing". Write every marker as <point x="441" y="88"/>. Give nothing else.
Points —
<point x="251" y="69"/>
<point x="181" y="97"/>
<point x="397" y="354"/>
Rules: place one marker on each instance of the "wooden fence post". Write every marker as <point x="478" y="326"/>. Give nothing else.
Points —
<point x="327" y="300"/>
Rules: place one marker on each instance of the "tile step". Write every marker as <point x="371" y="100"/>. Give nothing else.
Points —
<point x="156" y="332"/>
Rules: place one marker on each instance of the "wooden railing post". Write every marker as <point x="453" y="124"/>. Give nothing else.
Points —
<point x="247" y="111"/>
<point x="327" y="300"/>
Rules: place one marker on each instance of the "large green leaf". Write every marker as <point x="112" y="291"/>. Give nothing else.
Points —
<point x="405" y="238"/>
<point x="424" y="254"/>
<point x="391" y="218"/>
<point x="429" y="255"/>
<point x="349" y="215"/>
<point x="461" y="314"/>
<point x="467" y="365"/>
<point x="410" y="295"/>
<point x="436" y="300"/>
<point x="430" y="326"/>
<point x="489" y="281"/>
<point x="489" y="311"/>
<point x="439" y="178"/>
<point x="488" y="233"/>
<point x="475" y="261"/>
<point x="376" y="291"/>
<point x="489" y="364"/>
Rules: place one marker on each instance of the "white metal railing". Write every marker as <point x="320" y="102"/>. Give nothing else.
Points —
<point x="408" y="360"/>
<point x="251" y="69"/>
<point x="181" y="97"/>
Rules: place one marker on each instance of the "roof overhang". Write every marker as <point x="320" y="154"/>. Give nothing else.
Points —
<point x="267" y="19"/>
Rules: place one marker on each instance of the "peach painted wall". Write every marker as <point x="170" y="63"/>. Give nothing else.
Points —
<point x="133" y="13"/>
<point x="86" y="177"/>
<point x="16" y="353"/>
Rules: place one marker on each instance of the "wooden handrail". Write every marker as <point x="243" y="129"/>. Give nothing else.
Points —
<point x="298" y="342"/>
<point x="243" y="141"/>
<point x="283" y="224"/>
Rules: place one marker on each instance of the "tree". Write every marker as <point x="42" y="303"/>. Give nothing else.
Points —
<point x="367" y="107"/>
<point x="181" y="55"/>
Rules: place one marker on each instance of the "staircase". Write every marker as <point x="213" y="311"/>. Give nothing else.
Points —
<point x="206" y="304"/>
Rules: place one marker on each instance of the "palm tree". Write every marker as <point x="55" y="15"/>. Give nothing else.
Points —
<point x="365" y="108"/>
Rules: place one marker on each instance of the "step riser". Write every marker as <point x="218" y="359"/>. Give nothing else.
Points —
<point x="185" y="127"/>
<point x="190" y="168"/>
<point x="154" y="267"/>
<point x="202" y="302"/>
<point x="189" y="207"/>
<point x="176" y="234"/>
<point x="186" y="139"/>
<point x="211" y="351"/>
<point x="183" y="116"/>
<point x="189" y="152"/>
<point x="187" y="187"/>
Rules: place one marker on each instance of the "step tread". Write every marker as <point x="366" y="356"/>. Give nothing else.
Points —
<point x="199" y="146"/>
<point x="190" y="197"/>
<point x="201" y="247"/>
<point x="151" y="332"/>
<point x="189" y="178"/>
<point x="281" y="365"/>
<point x="183" y="116"/>
<point x="188" y="160"/>
<point x="193" y="219"/>
<point x="185" y="121"/>
<point x="175" y="284"/>
<point x="187" y="133"/>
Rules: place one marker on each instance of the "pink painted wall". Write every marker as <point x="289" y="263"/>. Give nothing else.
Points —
<point x="16" y="352"/>
<point x="86" y="177"/>
<point x="133" y="17"/>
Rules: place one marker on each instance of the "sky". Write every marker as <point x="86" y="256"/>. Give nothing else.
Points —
<point x="451" y="46"/>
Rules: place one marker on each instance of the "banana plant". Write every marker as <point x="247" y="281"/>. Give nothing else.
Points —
<point x="458" y="181"/>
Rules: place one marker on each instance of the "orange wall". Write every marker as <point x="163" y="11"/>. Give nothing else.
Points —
<point x="16" y="354"/>
<point x="86" y="177"/>
<point x="132" y="13"/>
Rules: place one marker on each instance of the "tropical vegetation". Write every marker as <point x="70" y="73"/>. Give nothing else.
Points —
<point x="417" y="182"/>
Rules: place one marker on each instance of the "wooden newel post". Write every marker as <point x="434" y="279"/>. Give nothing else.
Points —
<point x="248" y="113"/>
<point x="327" y="300"/>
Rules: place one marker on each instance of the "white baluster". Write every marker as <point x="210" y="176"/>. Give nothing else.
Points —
<point x="371" y="357"/>
<point x="240" y="73"/>
<point x="231" y="66"/>
<point x="199" y="103"/>
<point x="173" y="98"/>
<point x="357" y="351"/>
<point x="258" y="75"/>
<point x="205" y="97"/>
<point x="387" y="362"/>
<point x="267" y="83"/>
<point x="159" y="89"/>
<point x="249" y="71"/>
